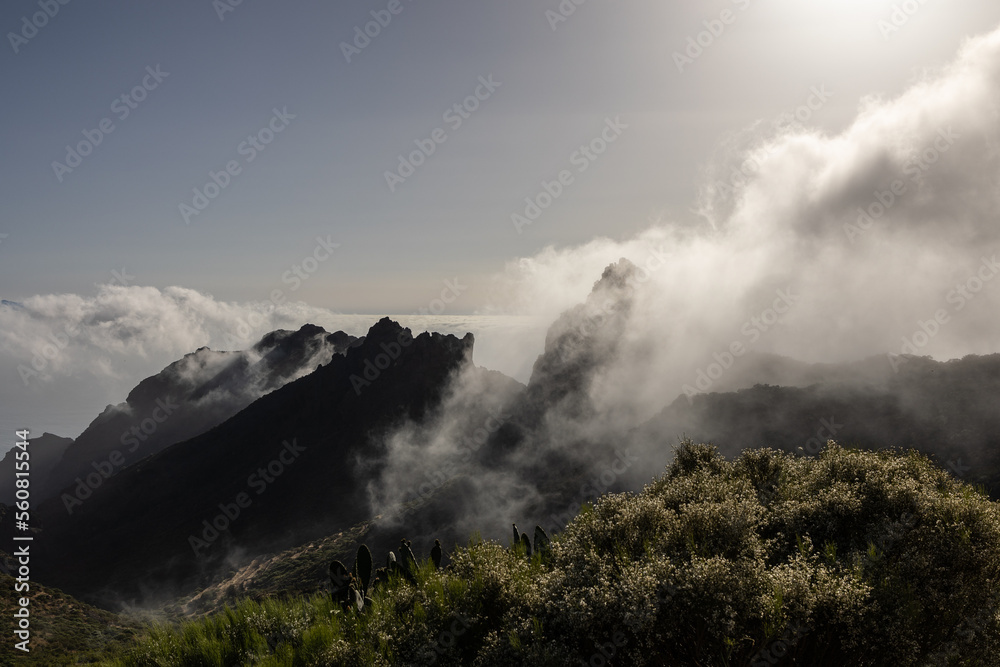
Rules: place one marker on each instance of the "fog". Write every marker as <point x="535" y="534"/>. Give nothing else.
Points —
<point x="881" y="239"/>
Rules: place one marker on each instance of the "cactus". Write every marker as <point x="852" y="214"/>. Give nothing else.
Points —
<point x="409" y="560"/>
<point x="340" y="578"/>
<point x="363" y="566"/>
<point x="542" y="542"/>
<point x="357" y="601"/>
<point x="351" y="588"/>
<point x="343" y="589"/>
<point x="436" y="554"/>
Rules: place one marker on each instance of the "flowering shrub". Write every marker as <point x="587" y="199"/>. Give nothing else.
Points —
<point x="848" y="558"/>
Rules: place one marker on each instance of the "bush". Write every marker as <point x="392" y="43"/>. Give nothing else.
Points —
<point x="851" y="557"/>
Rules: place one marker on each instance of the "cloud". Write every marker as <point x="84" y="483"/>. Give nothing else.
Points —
<point x="794" y="209"/>
<point x="821" y="247"/>
<point x="60" y="334"/>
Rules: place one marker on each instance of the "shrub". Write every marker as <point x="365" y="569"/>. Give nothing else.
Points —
<point x="850" y="557"/>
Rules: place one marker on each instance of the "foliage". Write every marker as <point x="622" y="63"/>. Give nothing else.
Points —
<point x="63" y="630"/>
<point x="851" y="557"/>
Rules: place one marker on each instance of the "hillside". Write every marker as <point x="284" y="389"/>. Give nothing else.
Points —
<point x="64" y="631"/>
<point x="185" y="399"/>
<point x="146" y="534"/>
<point x="946" y="410"/>
<point x="850" y="557"/>
<point x="46" y="452"/>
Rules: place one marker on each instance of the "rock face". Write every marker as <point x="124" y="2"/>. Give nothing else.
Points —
<point x="554" y="433"/>
<point x="582" y="342"/>
<point x="46" y="452"/>
<point x="578" y="346"/>
<point x="190" y="396"/>
<point x="287" y="468"/>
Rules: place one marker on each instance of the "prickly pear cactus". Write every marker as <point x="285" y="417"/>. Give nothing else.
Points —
<point x="542" y="543"/>
<point x="363" y="566"/>
<point x="342" y="585"/>
<point x="436" y="553"/>
<point x="340" y="578"/>
<point x="406" y="554"/>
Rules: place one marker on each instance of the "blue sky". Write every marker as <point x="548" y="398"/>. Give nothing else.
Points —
<point x="324" y="174"/>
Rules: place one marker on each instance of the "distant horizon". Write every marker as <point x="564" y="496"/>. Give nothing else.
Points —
<point x="72" y="421"/>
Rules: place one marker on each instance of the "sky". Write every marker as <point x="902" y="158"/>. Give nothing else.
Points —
<point x="611" y="119"/>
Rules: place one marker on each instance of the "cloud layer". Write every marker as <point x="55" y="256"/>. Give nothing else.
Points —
<point x="879" y="240"/>
<point x="858" y="239"/>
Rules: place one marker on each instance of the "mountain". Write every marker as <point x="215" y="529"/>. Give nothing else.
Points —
<point x="45" y="453"/>
<point x="185" y="399"/>
<point x="408" y="438"/>
<point x="11" y="304"/>
<point x="556" y="437"/>
<point x="947" y="410"/>
<point x="292" y="466"/>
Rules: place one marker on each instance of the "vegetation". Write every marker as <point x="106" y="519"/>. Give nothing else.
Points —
<point x="851" y="557"/>
<point x="64" y="631"/>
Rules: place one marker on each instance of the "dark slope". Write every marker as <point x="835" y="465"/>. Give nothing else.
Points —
<point x="190" y="396"/>
<point x="46" y="452"/>
<point x="132" y="537"/>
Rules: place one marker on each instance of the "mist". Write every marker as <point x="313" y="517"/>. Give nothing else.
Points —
<point x="877" y="241"/>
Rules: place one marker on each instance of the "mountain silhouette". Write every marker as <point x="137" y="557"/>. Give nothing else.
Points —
<point x="187" y="398"/>
<point x="297" y="455"/>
